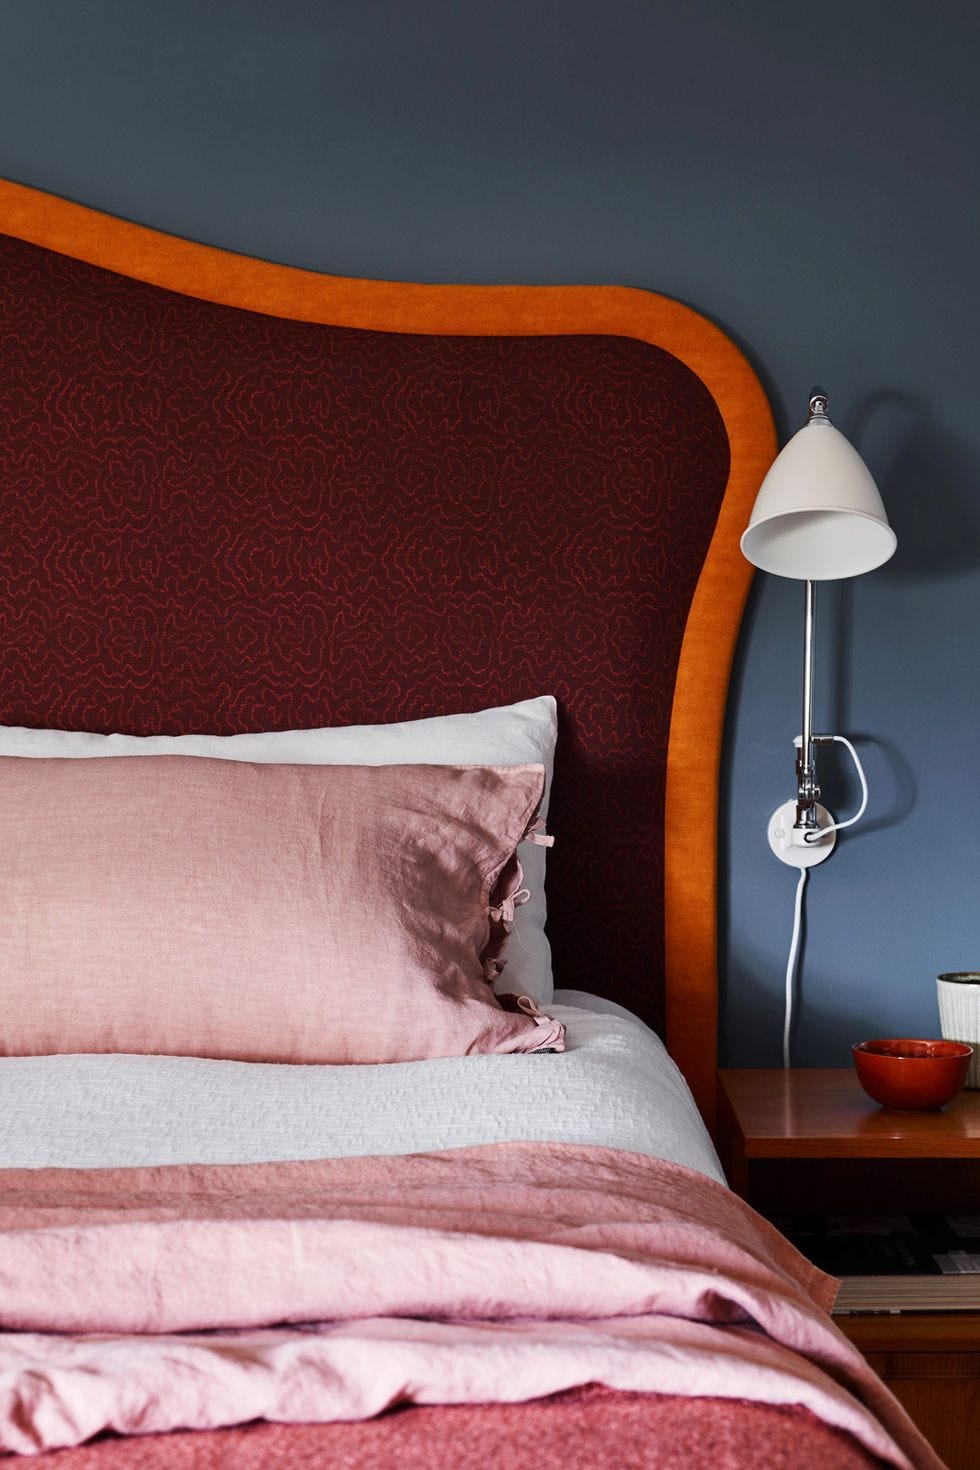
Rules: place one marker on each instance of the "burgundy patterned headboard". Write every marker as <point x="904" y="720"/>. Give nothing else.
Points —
<point x="219" y="519"/>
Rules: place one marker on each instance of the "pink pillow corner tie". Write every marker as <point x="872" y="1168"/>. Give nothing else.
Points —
<point x="535" y="833"/>
<point x="503" y="913"/>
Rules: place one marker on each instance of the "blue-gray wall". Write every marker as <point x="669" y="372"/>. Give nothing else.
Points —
<point x="805" y="174"/>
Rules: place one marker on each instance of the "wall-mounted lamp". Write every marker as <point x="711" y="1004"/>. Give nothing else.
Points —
<point x="818" y="517"/>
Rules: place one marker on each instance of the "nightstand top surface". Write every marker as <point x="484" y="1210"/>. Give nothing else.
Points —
<point x="811" y="1112"/>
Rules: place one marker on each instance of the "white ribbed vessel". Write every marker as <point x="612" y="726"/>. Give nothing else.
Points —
<point x="959" y="1015"/>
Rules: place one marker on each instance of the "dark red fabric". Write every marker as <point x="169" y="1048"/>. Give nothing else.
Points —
<point x="588" y="1429"/>
<point x="216" y="520"/>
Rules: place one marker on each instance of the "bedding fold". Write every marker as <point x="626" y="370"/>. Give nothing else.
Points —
<point x="614" y="1086"/>
<point x="197" y="1296"/>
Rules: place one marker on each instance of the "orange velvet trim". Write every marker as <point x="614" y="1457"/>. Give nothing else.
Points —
<point x="697" y="721"/>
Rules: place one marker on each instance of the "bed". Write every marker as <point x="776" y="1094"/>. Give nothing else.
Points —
<point x="242" y="498"/>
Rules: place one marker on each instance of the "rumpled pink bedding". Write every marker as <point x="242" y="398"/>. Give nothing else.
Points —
<point x="202" y="1296"/>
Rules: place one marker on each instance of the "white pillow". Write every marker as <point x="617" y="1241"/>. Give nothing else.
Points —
<point x="510" y="736"/>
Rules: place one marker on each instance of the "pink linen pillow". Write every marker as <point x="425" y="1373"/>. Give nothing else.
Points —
<point x="215" y="908"/>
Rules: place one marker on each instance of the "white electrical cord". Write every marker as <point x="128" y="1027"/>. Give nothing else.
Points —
<point x="794" y="944"/>
<point x="839" y="826"/>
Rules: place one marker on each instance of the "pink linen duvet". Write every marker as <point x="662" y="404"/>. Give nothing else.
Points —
<point x="199" y="1297"/>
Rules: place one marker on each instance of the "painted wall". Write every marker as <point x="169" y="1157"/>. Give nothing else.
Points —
<point x="805" y="175"/>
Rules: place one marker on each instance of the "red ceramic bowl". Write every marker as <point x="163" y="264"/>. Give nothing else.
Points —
<point x="912" y="1076"/>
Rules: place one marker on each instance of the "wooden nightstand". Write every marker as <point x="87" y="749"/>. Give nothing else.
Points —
<point x="809" y="1139"/>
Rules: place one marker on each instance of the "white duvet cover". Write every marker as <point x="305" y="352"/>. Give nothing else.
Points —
<point x="615" y="1087"/>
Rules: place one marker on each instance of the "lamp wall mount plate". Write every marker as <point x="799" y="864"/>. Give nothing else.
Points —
<point x="789" y="843"/>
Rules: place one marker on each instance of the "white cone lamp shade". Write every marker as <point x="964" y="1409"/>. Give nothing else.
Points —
<point x="818" y="515"/>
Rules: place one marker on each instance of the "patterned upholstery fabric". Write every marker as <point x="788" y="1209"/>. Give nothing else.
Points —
<point x="221" y="521"/>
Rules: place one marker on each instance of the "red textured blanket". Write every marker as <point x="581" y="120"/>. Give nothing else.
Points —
<point x="151" y="1299"/>
<point x="584" y="1429"/>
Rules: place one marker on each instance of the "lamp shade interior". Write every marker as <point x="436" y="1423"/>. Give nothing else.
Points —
<point x="819" y="545"/>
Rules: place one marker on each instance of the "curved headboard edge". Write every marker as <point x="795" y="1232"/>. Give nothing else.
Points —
<point x="698" y="711"/>
<point x="694" y="756"/>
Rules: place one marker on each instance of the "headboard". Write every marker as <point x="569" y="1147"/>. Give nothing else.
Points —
<point x="240" y="496"/>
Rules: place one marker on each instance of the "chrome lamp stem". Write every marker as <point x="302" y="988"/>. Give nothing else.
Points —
<point x="808" y="792"/>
